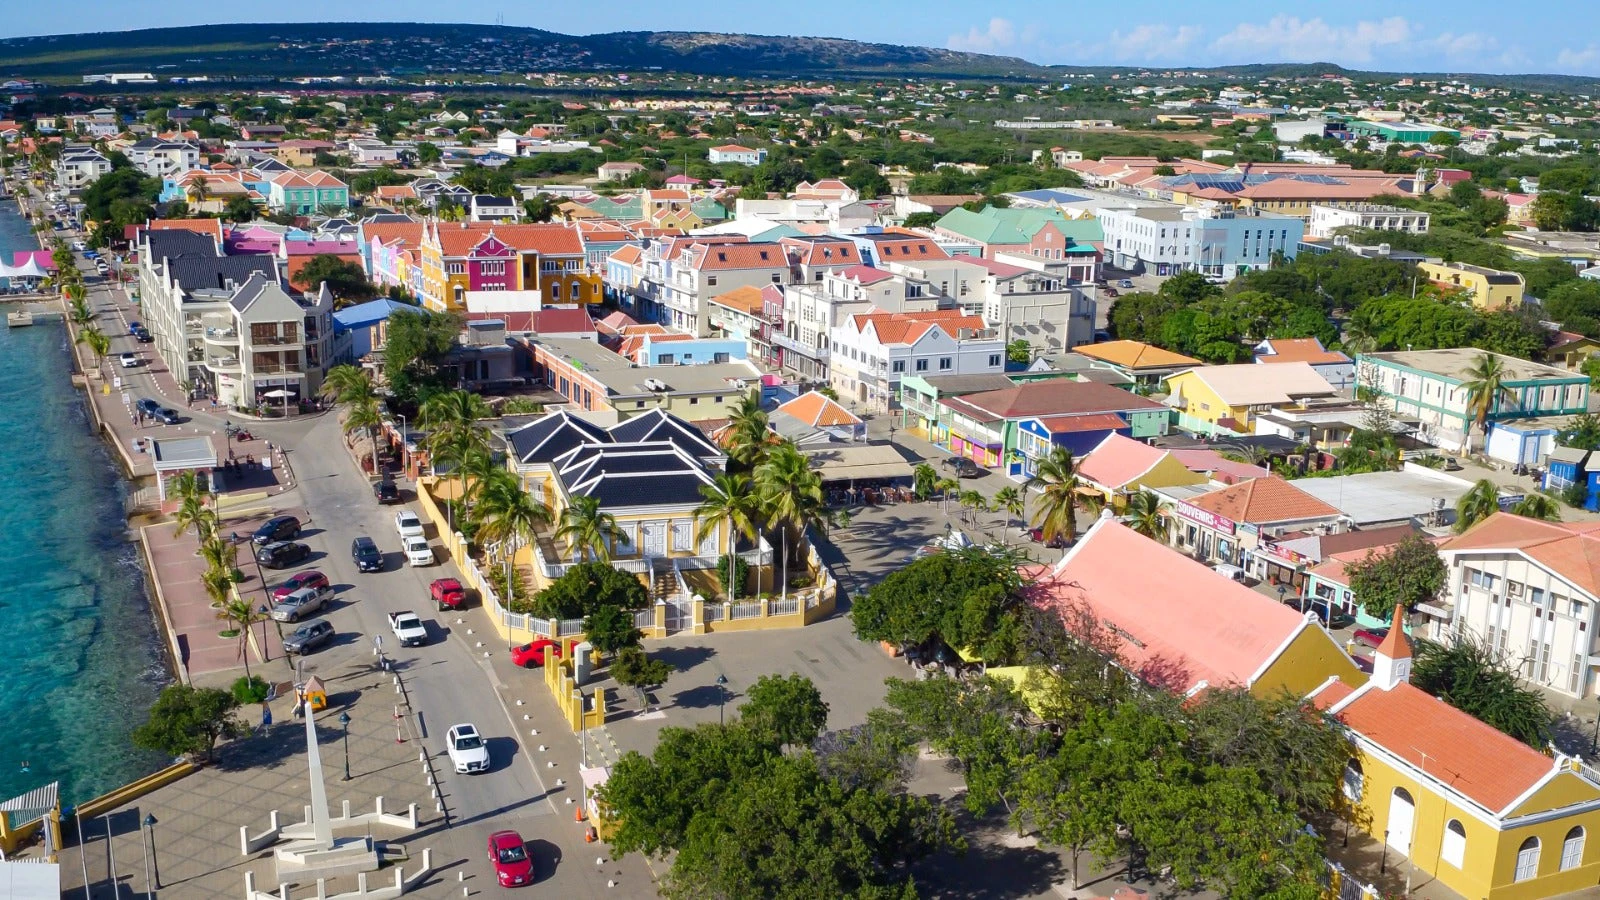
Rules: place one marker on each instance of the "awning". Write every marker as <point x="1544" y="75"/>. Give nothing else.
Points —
<point x="847" y="462"/>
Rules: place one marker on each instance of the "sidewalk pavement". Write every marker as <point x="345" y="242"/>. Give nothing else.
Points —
<point x="176" y="568"/>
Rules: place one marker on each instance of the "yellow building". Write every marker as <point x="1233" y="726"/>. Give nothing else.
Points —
<point x="1120" y="466"/>
<point x="1228" y="398"/>
<point x="1456" y="800"/>
<point x="1488" y="288"/>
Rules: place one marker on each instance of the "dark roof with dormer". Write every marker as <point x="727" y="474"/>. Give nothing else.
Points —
<point x="658" y="425"/>
<point x="557" y="433"/>
<point x="654" y="473"/>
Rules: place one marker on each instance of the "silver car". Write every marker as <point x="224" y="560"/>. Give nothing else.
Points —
<point x="298" y="605"/>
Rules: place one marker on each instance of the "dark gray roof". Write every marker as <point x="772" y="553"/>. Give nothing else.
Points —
<point x="555" y="434"/>
<point x="214" y="273"/>
<point x="969" y="384"/>
<point x="177" y="243"/>
<point x="631" y="475"/>
<point x="658" y="425"/>
<point x="249" y="291"/>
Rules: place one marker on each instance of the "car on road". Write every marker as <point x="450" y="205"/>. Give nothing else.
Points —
<point x="513" y="867"/>
<point x="134" y="326"/>
<point x="366" y="555"/>
<point x="282" y="554"/>
<point x="418" y="553"/>
<point x="309" y="636"/>
<point x="277" y="528"/>
<point x="386" y="492"/>
<point x="79" y="246"/>
<point x="297" y="605"/>
<point x="408" y="524"/>
<point x="447" y="593"/>
<point x="963" y="467"/>
<point x="166" y="415"/>
<point x="1125" y="283"/>
<point x="1371" y="637"/>
<point x="147" y="406"/>
<point x="144" y="337"/>
<point x="1331" y="619"/>
<point x="468" y="753"/>
<point x="408" y="628"/>
<point x="300" y="581"/>
<point x="129" y="360"/>
<point x="531" y="655"/>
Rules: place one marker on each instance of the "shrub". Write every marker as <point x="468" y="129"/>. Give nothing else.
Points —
<point x="585" y="588"/>
<point x="741" y="574"/>
<point x="250" y="690"/>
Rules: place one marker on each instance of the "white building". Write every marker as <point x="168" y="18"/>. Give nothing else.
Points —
<point x="736" y="154"/>
<point x="1165" y="240"/>
<point x="1374" y="216"/>
<point x="618" y="171"/>
<point x="80" y="166"/>
<point x="163" y="159"/>
<point x="871" y="352"/>
<point x="812" y="311"/>
<point x="367" y="152"/>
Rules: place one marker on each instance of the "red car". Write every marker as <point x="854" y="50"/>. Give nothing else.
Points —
<point x="298" y="581"/>
<point x="448" y="593"/>
<point x="512" y="865"/>
<point x="531" y="656"/>
<point x="1371" y="637"/>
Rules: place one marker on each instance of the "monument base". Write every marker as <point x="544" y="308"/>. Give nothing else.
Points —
<point x="303" y="861"/>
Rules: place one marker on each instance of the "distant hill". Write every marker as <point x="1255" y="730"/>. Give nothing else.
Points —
<point x="413" y="50"/>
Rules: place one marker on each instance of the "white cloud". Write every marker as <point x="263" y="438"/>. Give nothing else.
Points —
<point x="1585" y="60"/>
<point x="1152" y="42"/>
<point x="1000" y="34"/>
<point x="1293" y="39"/>
<point x="1462" y="46"/>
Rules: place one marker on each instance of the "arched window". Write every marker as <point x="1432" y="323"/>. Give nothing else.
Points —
<point x="1354" y="780"/>
<point x="1572" y="849"/>
<point x="1527" y="860"/>
<point x="1453" y="849"/>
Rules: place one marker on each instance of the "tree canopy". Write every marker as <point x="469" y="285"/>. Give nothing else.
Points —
<point x="966" y="598"/>
<point x="585" y="588"/>
<point x="188" y="721"/>
<point x="346" y="279"/>
<point x="1409" y="573"/>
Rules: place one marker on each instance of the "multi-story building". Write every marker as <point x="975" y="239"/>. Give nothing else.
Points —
<point x="79" y="166"/>
<point x="303" y="193"/>
<point x="750" y="315"/>
<point x="1430" y="386"/>
<point x="458" y="257"/>
<point x="1046" y="233"/>
<point x="596" y="379"/>
<point x="1325" y="220"/>
<point x="812" y="311"/>
<point x="703" y="270"/>
<point x="1166" y="240"/>
<point x="1013" y="428"/>
<point x="1222" y="399"/>
<point x="1486" y="288"/>
<point x="871" y="352"/>
<point x="163" y="159"/>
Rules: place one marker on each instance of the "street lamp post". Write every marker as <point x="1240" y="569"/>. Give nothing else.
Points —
<point x="344" y="722"/>
<point x="150" y="837"/>
<point x="722" y="696"/>
<point x="266" y="649"/>
<point x="405" y="463"/>
<point x="227" y="436"/>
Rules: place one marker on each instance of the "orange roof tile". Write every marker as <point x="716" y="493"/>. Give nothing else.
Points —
<point x="211" y="228"/>
<point x="407" y="234"/>
<point x="817" y="410"/>
<point x="1570" y="549"/>
<point x="1306" y="350"/>
<point x="1135" y="355"/>
<point x="1263" y="501"/>
<point x="745" y="299"/>
<point x="738" y="256"/>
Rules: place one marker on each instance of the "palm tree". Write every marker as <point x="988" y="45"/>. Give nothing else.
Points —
<point x="748" y="440"/>
<point x="1057" y="483"/>
<point x="364" y="415"/>
<point x="924" y="481"/>
<point x="972" y="503"/>
<point x="1538" y="506"/>
<point x="80" y="314"/>
<point x="97" y="341"/>
<point x="219" y="554"/>
<point x="198" y="190"/>
<point x="236" y="610"/>
<point x="791" y="493"/>
<point x="730" y="503"/>
<point x="1486" y="388"/>
<point x="588" y="530"/>
<point x="348" y="384"/>
<point x="509" y="513"/>
<point x="1477" y="504"/>
<point x="1011" y="501"/>
<point x="1145" y="515"/>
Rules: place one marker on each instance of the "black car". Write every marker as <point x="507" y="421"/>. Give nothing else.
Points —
<point x="166" y="415"/>
<point x="147" y="406"/>
<point x="308" y="637"/>
<point x="282" y="554"/>
<point x="386" y="491"/>
<point x="366" y="555"/>
<point x="144" y="337"/>
<point x="277" y="528"/>
<point x="963" y="467"/>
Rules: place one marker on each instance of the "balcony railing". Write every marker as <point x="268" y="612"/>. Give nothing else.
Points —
<point x="223" y="363"/>
<point x="271" y="369"/>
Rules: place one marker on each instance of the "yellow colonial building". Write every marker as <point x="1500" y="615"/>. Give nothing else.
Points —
<point x="1457" y="801"/>
<point x="1120" y="466"/>
<point x="1228" y="398"/>
<point x="1488" y="288"/>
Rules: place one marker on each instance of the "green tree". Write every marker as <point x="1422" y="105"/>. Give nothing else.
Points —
<point x="586" y="587"/>
<point x="1409" y="573"/>
<point x="730" y="506"/>
<point x="188" y="721"/>
<point x="240" y="210"/>
<point x="790" y="493"/>
<point x="611" y="628"/>
<point x="1055" y="511"/>
<point x="428" y="153"/>
<point x="924" y="481"/>
<point x="1019" y="351"/>
<point x="969" y="599"/>
<point x="787" y="708"/>
<point x="588" y="530"/>
<point x="1470" y="676"/>
<point x="98" y="342"/>
<point x="1480" y="502"/>
<point x="233" y="609"/>
<point x="507" y="512"/>
<point x="1144" y="515"/>
<point x="634" y="668"/>
<point x="1009" y="500"/>
<point x="346" y="280"/>
<point x="1538" y="506"/>
<point x="921" y="220"/>
<point x="750" y="437"/>
<point x="1486" y="389"/>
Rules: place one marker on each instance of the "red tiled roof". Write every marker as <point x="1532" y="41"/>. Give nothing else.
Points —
<point x="746" y="299"/>
<point x="1177" y="622"/>
<point x="1570" y="549"/>
<point x="1263" y="501"/>
<point x="1306" y="350"/>
<point x="904" y="249"/>
<point x="297" y="262"/>
<point x="211" y="228"/>
<point x="557" y="320"/>
<point x="815" y="409"/>
<point x="908" y="328"/>
<point x="1091" y="422"/>
<point x="739" y="256"/>
<point x="407" y="234"/>
<point x="1118" y="460"/>
<point x="1055" y="397"/>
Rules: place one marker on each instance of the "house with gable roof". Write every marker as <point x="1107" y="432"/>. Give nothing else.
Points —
<point x="1120" y="466"/>
<point x="1045" y="233"/>
<point x="871" y="352"/>
<point x="1017" y="426"/>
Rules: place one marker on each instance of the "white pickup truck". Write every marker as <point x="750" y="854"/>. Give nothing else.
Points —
<point x="408" y="628"/>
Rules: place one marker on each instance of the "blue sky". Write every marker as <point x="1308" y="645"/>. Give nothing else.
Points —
<point x="1424" y="35"/>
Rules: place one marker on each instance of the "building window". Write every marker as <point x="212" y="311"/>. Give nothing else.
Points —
<point x="1527" y="860"/>
<point x="555" y="291"/>
<point x="1354" y="779"/>
<point x="1453" y="848"/>
<point x="1572" y="849"/>
<point x="899" y="365"/>
<point x="944" y="363"/>
<point x="922" y="365"/>
<point x="456" y="268"/>
<point x="711" y="280"/>
<point x="994" y="359"/>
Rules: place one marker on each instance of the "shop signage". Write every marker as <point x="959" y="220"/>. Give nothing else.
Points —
<point x="1208" y="519"/>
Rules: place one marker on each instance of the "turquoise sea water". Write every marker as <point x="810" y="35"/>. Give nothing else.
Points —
<point x="80" y="660"/>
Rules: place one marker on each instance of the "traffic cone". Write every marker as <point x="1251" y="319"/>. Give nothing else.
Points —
<point x="577" y="813"/>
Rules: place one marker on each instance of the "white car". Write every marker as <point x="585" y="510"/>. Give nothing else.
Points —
<point x="407" y="523"/>
<point x="468" y="753"/>
<point x="129" y="360"/>
<point x="418" y="553"/>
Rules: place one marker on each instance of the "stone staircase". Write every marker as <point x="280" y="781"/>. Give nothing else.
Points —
<point x="663" y="585"/>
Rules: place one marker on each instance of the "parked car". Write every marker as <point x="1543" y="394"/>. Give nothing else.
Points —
<point x="418" y="553"/>
<point x="366" y="555"/>
<point x="408" y="524"/>
<point x="467" y="751"/>
<point x="513" y="867"/>
<point x="1371" y="637"/>
<point x="297" y="605"/>
<point x="386" y="492"/>
<point x="300" y="581"/>
<point x="1331" y="619"/>
<point x="531" y="655"/>
<point x="166" y="415"/>
<point x="1056" y="543"/>
<point x="282" y="554"/>
<point x="277" y="528"/>
<point x="129" y="360"/>
<point x="1232" y="573"/>
<point x="308" y="637"/>
<point x="1125" y="283"/>
<point x="408" y="628"/>
<point x="447" y="593"/>
<point x="963" y="467"/>
<point x="144" y="337"/>
<point x="147" y="406"/>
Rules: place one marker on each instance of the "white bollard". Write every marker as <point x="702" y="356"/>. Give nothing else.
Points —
<point x="542" y="748"/>
<point x="550" y="765"/>
<point x="461" y="876"/>
<point x="526" y="717"/>
<point x="469" y="631"/>
<point x="519" y="702"/>
<point x="535" y="731"/>
<point x="560" y="783"/>
<point x="599" y="860"/>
